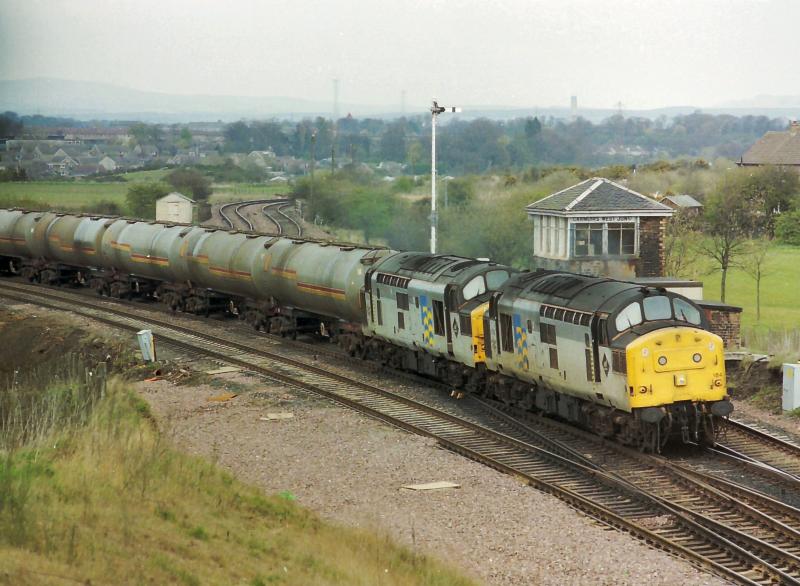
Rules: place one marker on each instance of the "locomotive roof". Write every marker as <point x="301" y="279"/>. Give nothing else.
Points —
<point x="578" y="292"/>
<point x="436" y="267"/>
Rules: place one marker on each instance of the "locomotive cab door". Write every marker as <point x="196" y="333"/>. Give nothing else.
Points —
<point x="450" y="313"/>
<point x="599" y="338"/>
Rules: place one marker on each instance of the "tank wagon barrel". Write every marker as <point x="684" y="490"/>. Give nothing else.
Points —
<point x="316" y="277"/>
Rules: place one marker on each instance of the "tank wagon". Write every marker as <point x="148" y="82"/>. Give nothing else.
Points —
<point x="626" y="361"/>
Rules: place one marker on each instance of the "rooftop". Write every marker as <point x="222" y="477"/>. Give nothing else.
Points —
<point x="598" y="195"/>
<point x="775" y="148"/>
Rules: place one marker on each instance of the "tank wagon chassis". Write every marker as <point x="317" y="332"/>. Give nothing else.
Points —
<point x="263" y="315"/>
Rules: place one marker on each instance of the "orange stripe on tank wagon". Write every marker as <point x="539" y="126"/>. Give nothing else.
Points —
<point x="119" y="246"/>
<point x="285" y="273"/>
<point x="154" y="260"/>
<point x="230" y="273"/>
<point x="11" y="239"/>
<point x="320" y="290"/>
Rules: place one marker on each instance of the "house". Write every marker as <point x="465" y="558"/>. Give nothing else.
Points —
<point x="176" y="208"/>
<point x="681" y="202"/>
<point x="106" y="164"/>
<point x="780" y="148"/>
<point x="601" y="228"/>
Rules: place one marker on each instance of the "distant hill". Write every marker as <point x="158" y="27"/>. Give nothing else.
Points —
<point x="92" y="100"/>
<point x="85" y="99"/>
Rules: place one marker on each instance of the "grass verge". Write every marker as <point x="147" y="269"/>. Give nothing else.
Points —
<point x="103" y="498"/>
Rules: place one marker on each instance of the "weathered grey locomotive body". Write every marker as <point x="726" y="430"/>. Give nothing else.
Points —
<point x="624" y="360"/>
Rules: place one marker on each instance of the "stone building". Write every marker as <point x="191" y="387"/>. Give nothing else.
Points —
<point x="176" y="207"/>
<point x="600" y="228"/>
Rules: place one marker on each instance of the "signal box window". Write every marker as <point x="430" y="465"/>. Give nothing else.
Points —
<point x="621" y="238"/>
<point x="588" y="239"/>
<point x="438" y="318"/>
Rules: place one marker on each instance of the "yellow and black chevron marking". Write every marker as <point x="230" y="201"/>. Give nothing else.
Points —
<point x="521" y="343"/>
<point x="426" y="314"/>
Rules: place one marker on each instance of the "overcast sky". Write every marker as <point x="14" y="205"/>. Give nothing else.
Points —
<point x="643" y="53"/>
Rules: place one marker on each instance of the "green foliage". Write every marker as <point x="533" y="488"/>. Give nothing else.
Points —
<point x="460" y="191"/>
<point x="13" y="174"/>
<point x="141" y="198"/>
<point x="146" y="133"/>
<point x="10" y="124"/>
<point x="787" y="228"/>
<point x="190" y="182"/>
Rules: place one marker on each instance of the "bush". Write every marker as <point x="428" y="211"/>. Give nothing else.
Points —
<point x="141" y="198"/>
<point x="190" y="181"/>
<point x="787" y="228"/>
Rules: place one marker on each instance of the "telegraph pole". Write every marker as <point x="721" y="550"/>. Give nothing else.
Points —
<point x="436" y="109"/>
<point x="313" y="156"/>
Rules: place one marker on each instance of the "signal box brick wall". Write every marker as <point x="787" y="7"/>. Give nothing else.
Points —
<point x="651" y="247"/>
<point x="725" y="321"/>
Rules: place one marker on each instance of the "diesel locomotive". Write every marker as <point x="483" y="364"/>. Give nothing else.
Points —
<point x="626" y="361"/>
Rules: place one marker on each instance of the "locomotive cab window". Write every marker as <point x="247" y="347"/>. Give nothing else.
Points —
<point x="629" y="317"/>
<point x="494" y="279"/>
<point x="401" y="320"/>
<point x="438" y="318"/>
<point x="465" y="324"/>
<point x="685" y="311"/>
<point x="506" y="333"/>
<point x="474" y="288"/>
<point x="657" y="308"/>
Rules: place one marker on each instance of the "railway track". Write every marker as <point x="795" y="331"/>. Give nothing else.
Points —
<point x="717" y="503"/>
<point x="285" y="225"/>
<point x="749" y="442"/>
<point x="275" y="211"/>
<point x="662" y="522"/>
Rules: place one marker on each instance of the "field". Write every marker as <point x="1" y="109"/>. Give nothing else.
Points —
<point x="780" y="285"/>
<point x="79" y="195"/>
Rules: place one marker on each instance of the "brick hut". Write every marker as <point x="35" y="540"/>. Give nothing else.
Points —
<point x="599" y="228"/>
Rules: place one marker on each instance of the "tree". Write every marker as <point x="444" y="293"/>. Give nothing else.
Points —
<point x="141" y="198"/>
<point x="185" y="138"/>
<point x="190" y="181"/>
<point x="680" y="239"/>
<point x="772" y="190"/>
<point x="753" y="263"/>
<point x="10" y="124"/>
<point x="787" y="228"/>
<point x="730" y="220"/>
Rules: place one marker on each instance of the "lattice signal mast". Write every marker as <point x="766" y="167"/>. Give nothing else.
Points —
<point x="436" y="109"/>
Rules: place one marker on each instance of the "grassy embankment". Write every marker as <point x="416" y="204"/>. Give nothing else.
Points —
<point x="92" y="492"/>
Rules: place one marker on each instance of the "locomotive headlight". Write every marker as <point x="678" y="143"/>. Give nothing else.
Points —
<point x="662" y="360"/>
<point x="697" y="357"/>
<point x="717" y="382"/>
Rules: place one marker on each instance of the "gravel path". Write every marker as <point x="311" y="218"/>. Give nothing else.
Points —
<point x="350" y="469"/>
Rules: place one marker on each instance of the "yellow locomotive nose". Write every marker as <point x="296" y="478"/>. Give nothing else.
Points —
<point x="675" y="364"/>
